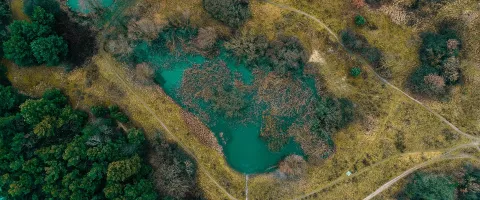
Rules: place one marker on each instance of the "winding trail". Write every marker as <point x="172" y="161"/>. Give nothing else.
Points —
<point x="413" y="169"/>
<point x="111" y="70"/>
<point x="475" y="139"/>
<point x="330" y="31"/>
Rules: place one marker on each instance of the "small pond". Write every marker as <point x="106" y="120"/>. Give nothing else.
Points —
<point x="86" y="6"/>
<point x="244" y="150"/>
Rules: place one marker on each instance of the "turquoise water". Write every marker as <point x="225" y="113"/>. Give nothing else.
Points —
<point x="244" y="150"/>
<point x="85" y="6"/>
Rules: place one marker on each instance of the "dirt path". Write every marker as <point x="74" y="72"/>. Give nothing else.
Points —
<point x="413" y="169"/>
<point x="109" y="69"/>
<point x="476" y="138"/>
<point x="343" y="178"/>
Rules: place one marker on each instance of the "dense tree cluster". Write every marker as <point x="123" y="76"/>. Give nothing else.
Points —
<point x="465" y="185"/>
<point x="231" y="12"/>
<point x="440" y="65"/>
<point x="5" y="18"/>
<point x="32" y="43"/>
<point x="49" y="151"/>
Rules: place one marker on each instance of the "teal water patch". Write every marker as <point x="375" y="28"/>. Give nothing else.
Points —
<point x="240" y="138"/>
<point x="86" y="6"/>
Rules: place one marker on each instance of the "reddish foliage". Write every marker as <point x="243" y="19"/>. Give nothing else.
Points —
<point x="358" y="3"/>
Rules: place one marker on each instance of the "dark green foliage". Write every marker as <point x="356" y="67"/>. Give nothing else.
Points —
<point x="434" y="50"/>
<point x="355" y="72"/>
<point x="5" y="18"/>
<point x="50" y="50"/>
<point x="118" y="115"/>
<point x="468" y="186"/>
<point x="360" y="20"/>
<point x="331" y="115"/>
<point x="99" y="111"/>
<point x="10" y="99"/>
<point x="3" y="76"/>
<point x="35" y="43"/>
<point x="93" y="161"/>
<point x="429" y="186"/>
<point x="231" y="12"/>
<point x="439" y="57"/>
<point x="51" y="6"/>
<point x="42" y="17"/>
<point x="18" y="50"/>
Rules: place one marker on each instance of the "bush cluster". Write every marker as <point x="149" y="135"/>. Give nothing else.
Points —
<point x="437" y="186"/>
<point x="284" y="55"/>
<point x="49" y="151"/>
<point x="231" y="12"/>
<point x="440" y="65"/>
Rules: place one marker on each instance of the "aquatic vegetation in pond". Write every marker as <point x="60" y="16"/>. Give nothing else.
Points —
<point x="251" y="105"/>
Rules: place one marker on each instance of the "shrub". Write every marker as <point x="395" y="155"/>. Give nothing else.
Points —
<point x="231" y="12"/>
<point x="206" y="39"/>
<point x="428" y="186"/>
<point x="118" y="115"/>
<point x="293" y="166"/>
<point x="99" y="111"/>
<point x="360" y="20"/>
<point x="331" y="115"/>
<point x="251" y="48"/>
<point x="355" y="72"/>
<point x="286" y="56"/>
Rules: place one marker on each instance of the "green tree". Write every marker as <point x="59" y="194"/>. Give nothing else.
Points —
<point x="136" y="137"/>
<point x="19" y="51"/>
<point x="124" y="169"/>
<point x="51" y="50"/>
<point x="118" y="115"/>
<point x="360" y="20"/>
<point x="10" y="99"/>
<point x="32" y="43"/>
<point x="430" y="187"/>
<point x="231" y="12"/>
<point x="41" y="16"/>
<point x="5" y="17"/>
<point x="355" y="71"/>
<point x="99" y="111"/>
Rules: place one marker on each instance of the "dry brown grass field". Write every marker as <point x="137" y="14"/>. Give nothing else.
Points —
<point x="368" y="148"/>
